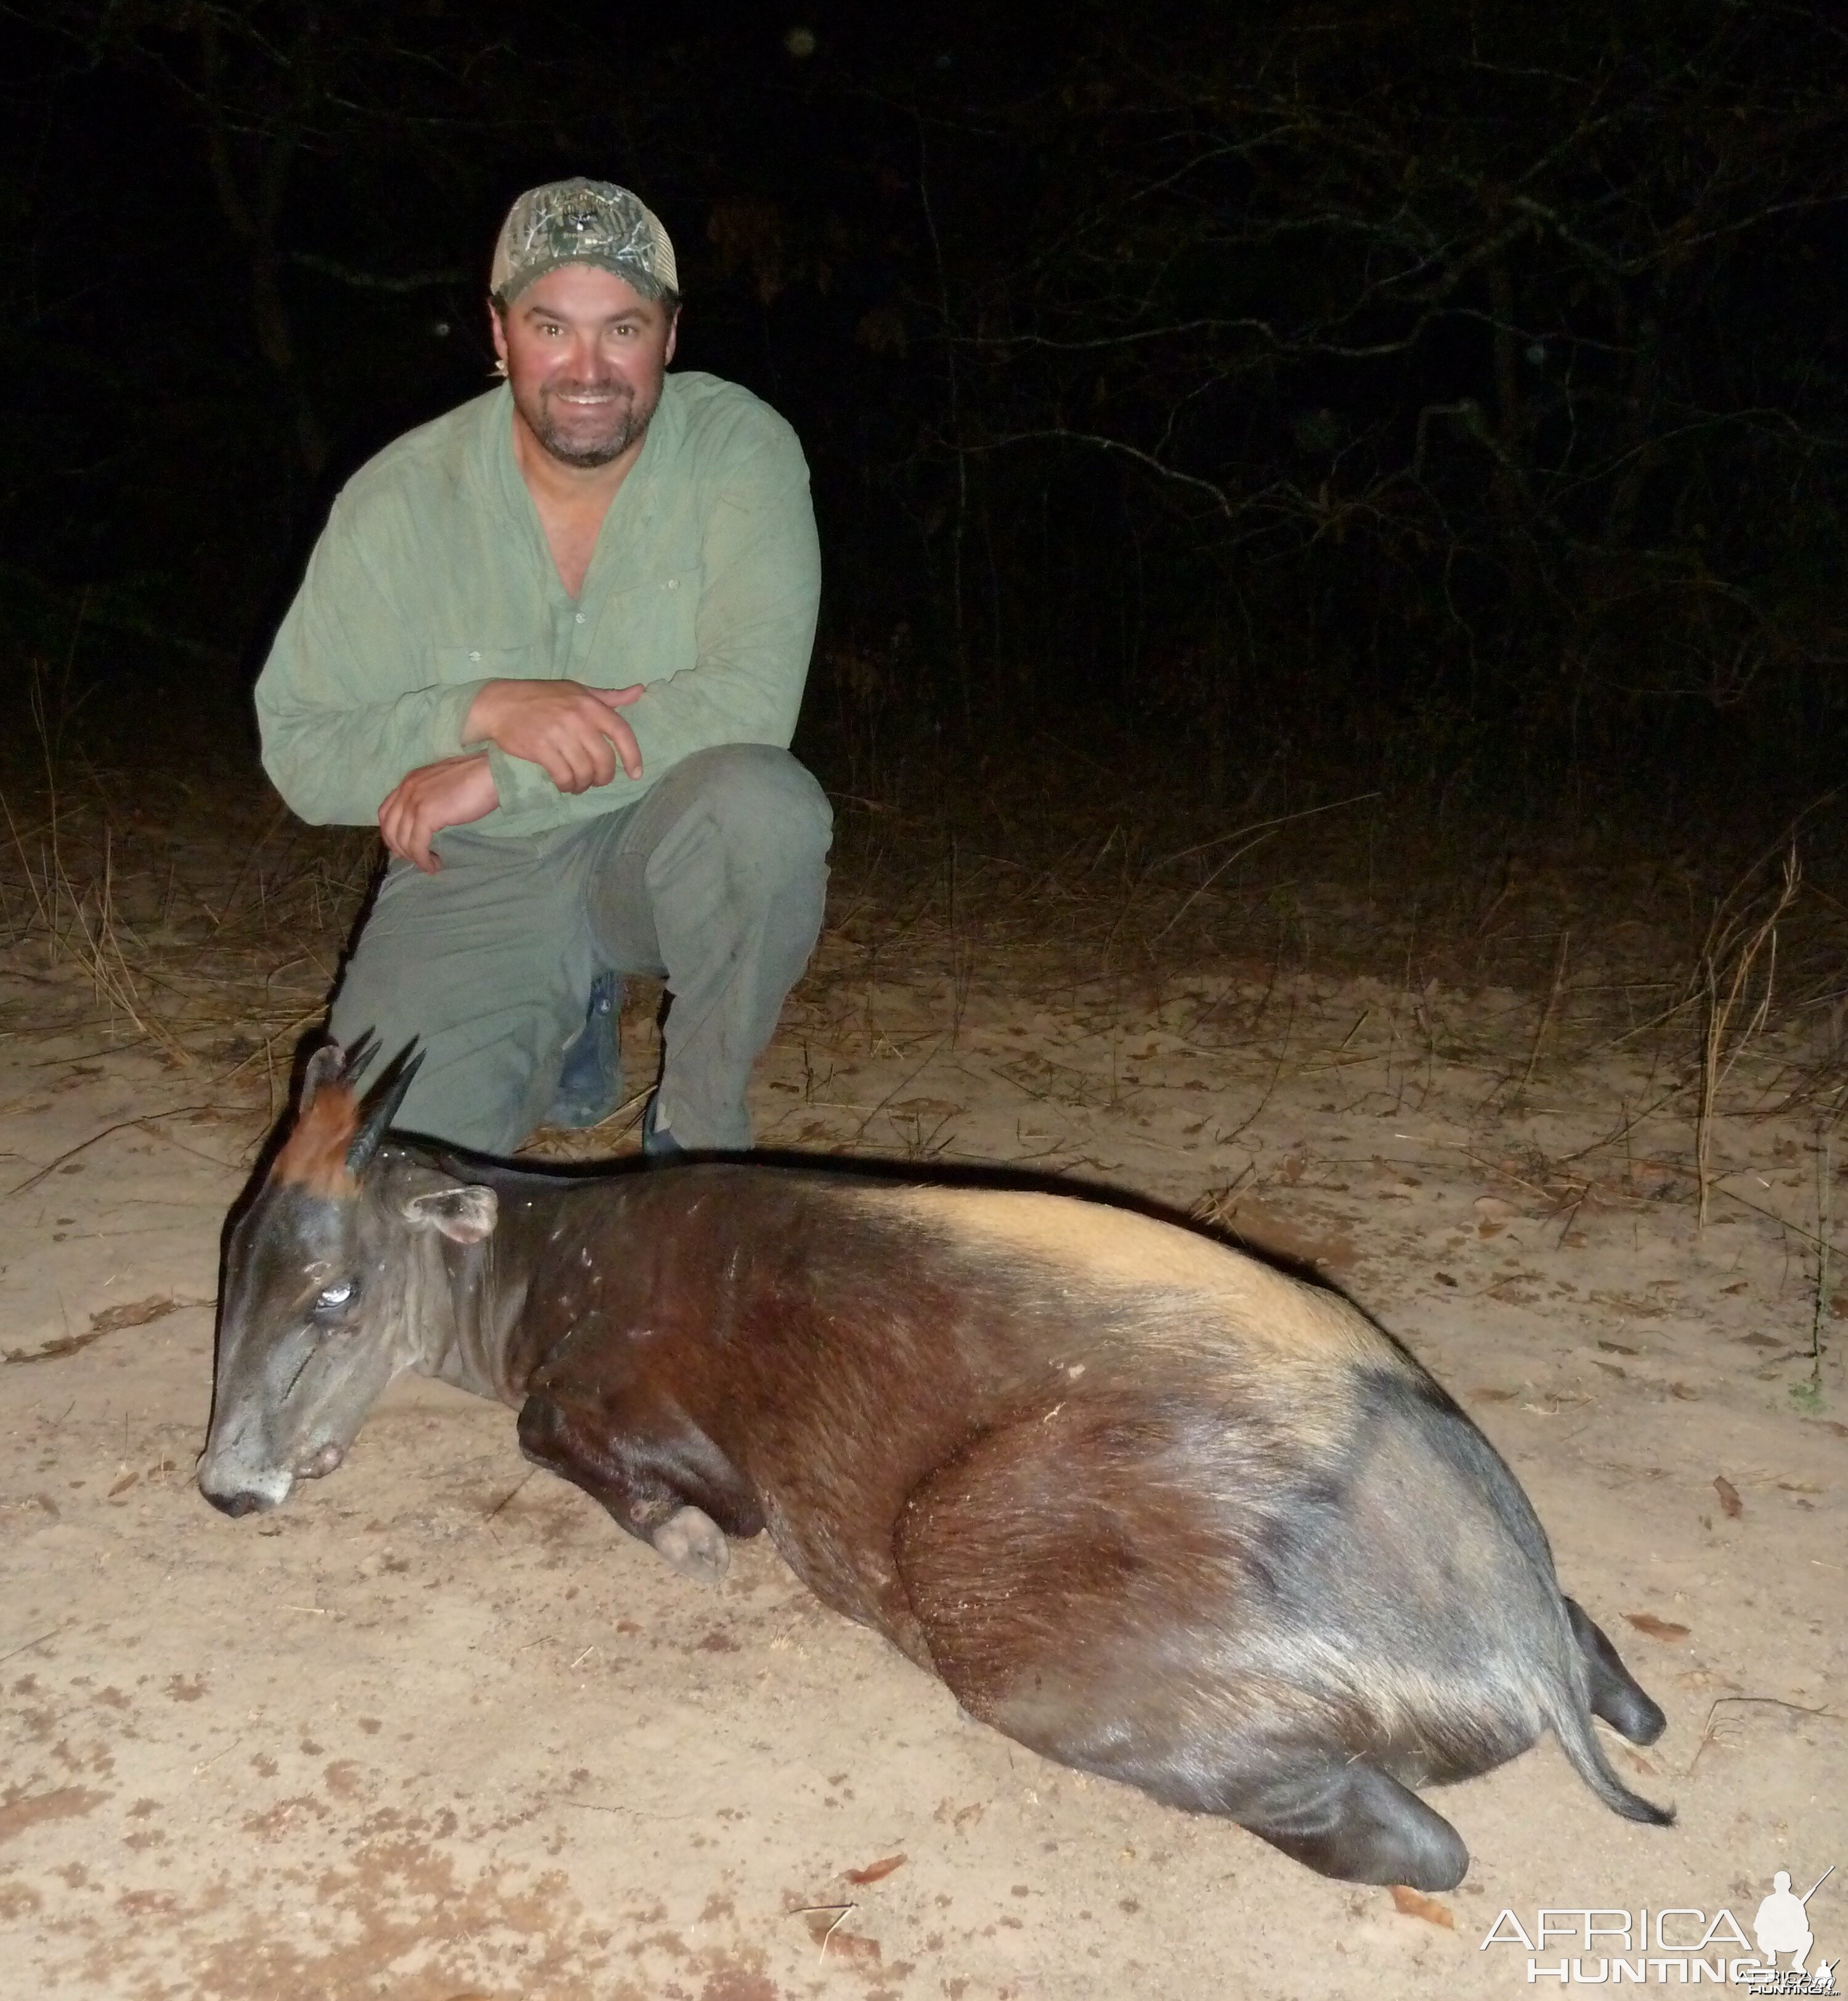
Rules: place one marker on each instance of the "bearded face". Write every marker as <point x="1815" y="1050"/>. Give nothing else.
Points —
<point x="585" y="355"/>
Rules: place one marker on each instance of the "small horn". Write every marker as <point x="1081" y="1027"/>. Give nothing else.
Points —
<point x="382" y="1105"/>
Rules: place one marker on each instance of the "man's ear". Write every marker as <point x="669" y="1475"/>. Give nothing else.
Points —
<point x="674" y="335"/>
<point x="464" y="1214"/>
<point x="497" y="325"/>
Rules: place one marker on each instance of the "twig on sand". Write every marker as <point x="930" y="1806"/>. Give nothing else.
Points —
<point x="1546" y="1013"/>
<point x="517" y="1487"/>
<point x="26" y="1647"/>
<point x="144" y="1121"/>
<point x="1771" y="1214"/>
<point x="937" y="1045"/>
<point x="1710" y="1735"/>
<point x="841" y="1913"/>
<point x="112" y="1320"/>
<point x="1260" y="831"/>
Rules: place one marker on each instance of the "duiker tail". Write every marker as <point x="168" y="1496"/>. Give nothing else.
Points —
<point x="1572" y="1725"/>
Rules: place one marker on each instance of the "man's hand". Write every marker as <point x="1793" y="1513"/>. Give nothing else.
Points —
<point x="571" y="731"/>
<point x="450" y="792"/>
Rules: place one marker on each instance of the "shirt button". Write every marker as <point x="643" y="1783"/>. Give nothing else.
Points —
<point x="673" y="583"/>
<point x="475" y="656"/>
<point x="580" y="618"/>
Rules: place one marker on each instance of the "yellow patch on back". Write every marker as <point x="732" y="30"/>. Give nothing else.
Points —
<point x="1117" y="1249"/>
<point x="313" y="1156"/>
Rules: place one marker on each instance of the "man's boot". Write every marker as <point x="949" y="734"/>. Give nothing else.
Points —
<point x="590" y="1084"/>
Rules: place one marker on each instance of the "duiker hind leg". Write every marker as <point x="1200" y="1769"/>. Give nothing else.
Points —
<point x="1615" y="1694"/>
<point x="1062" y="1605"/>
<point x="1351" y="1821"/>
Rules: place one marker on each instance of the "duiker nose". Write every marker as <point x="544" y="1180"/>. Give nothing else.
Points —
<point x="245" y="1502"/>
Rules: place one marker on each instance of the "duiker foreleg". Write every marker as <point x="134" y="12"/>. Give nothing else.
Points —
<point x="663" y="1481"/>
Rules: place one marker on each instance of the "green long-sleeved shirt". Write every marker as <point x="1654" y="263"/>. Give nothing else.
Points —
<point x="433" y="576"/>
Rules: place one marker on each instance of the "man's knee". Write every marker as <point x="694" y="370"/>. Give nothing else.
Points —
<point x="756" y="786"/>
<point x="767" y="807"/>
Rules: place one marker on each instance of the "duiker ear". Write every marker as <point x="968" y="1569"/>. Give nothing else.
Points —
<point x="465" y="1215"/>
<point x="331" y="1064"/>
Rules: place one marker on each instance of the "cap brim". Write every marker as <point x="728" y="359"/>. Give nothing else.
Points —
<point x="644" y="282"/>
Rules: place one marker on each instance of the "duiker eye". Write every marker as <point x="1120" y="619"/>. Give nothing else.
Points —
<point x="334" y="1296"/>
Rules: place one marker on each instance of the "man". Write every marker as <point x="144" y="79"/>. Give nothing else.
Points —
<point x="555" y="643"/>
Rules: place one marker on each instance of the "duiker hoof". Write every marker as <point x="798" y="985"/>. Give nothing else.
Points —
<point x="694" y="1544"/>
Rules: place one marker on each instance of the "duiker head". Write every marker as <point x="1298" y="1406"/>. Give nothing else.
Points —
<point x="322" y="1301"/>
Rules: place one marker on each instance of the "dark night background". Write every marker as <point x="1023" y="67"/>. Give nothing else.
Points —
<point x="1445" y="399"/>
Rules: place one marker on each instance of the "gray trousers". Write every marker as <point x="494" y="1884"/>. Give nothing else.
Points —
<point x="714" y="880"/>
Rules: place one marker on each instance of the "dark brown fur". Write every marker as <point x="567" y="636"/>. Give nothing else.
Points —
<point x="1106" y="1512"/>
<point x="1147" y="1505"/>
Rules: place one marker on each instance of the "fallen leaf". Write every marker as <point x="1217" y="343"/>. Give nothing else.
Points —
<point x="122" y="1485"/>
<point x="1657" y="1629"/>
<point x="1413" y="1904"/>
<point x="1682" y="1394"/>
<point x="1623" y="1302"/>
<point x="1443" y="1278"/>
<point x="1494" y="1396"/>
<point x="874" y="1871"/>
<point x="1617" y="1348"/>
<point x="1729" y="1497"/>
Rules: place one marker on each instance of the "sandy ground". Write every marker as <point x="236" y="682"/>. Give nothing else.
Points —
<point x="436" y="1730"/>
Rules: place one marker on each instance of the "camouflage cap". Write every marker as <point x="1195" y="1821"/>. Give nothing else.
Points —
<point x="581" y="222"/>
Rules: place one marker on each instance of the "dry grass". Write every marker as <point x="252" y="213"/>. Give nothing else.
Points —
<point x="145" y="913"/>
<point x="206" y="924"/>
<point x="1737" y="973"/>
